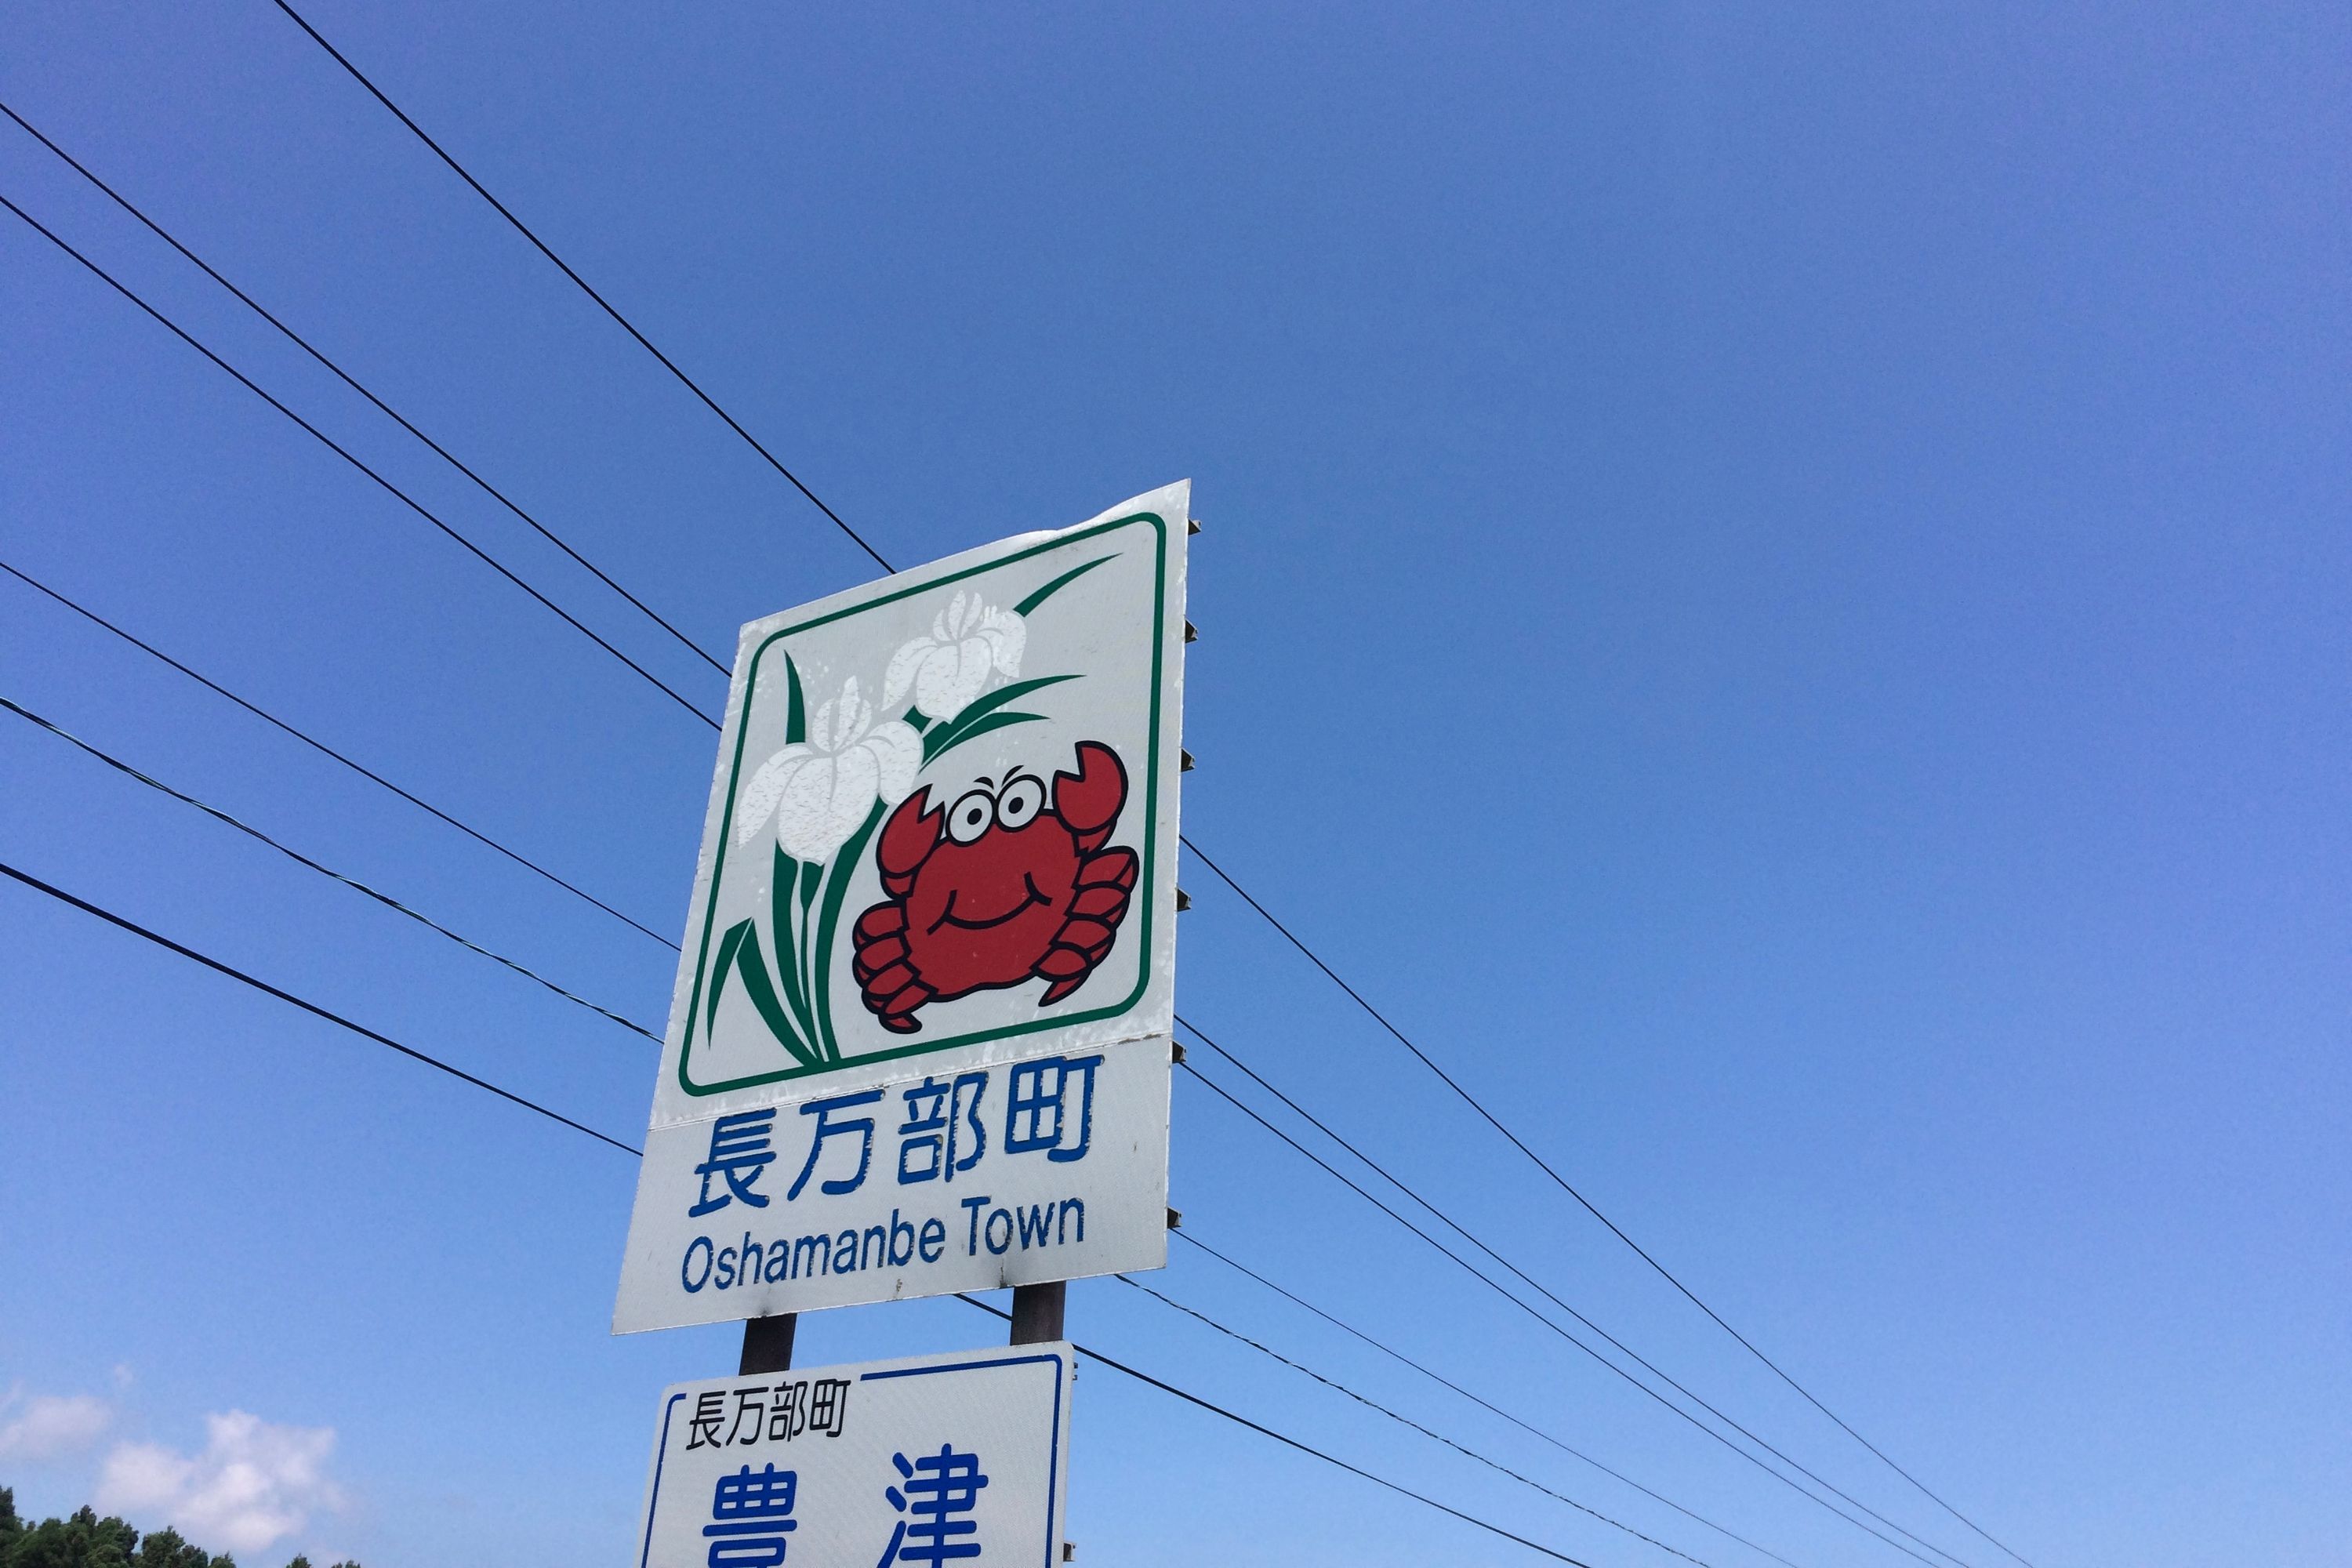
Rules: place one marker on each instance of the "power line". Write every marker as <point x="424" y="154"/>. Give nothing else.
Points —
<point x="492" y="843"/>
<point x="732" y="423"/>
<point x="1402" y="1420"/>
<point x="327" y="871"/>
<point x="304" y="344"/>
<point x="396" y="904"/>
<point x="1240" y="1420"/>
<point x="1444" y="1381"/>
<point x="328" y="752"/>
<point x="337" y="1019"/>
<point x="540" y="246"/>
<point x="607" y="908"/>
<point x="689" y="707"/>
<point x="330" y="443"/>
<point x="1537" y="1286"/>
<point x="608" y="648"/>
<point x="312" y="1008"/>
<point x="1565" y="1186"/>
<point x="393" y="904"/>
<point x="1496" y="1286"/>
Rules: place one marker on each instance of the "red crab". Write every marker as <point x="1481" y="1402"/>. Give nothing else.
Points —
<point x="1000" y="889"/>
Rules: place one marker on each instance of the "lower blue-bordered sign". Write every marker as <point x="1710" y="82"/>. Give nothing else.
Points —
<point x="929" y="1460"/>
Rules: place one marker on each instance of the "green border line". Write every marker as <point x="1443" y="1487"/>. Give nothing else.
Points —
<point x="1150" y="830"/>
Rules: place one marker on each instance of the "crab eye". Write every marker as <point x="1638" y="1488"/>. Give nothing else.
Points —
<point x="1022" y="799"/>
<point x="970" y="816"/>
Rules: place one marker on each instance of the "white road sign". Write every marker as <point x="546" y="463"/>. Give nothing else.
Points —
<point x="928" y="974"/>
<point x="1049" y="1168"/>
<point x="884" y="1465"/>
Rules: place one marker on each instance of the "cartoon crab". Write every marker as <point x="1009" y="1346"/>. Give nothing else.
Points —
<point x="1003" y="887"/>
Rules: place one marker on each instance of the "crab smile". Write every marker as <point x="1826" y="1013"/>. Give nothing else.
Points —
<point x="1032" y="896"/>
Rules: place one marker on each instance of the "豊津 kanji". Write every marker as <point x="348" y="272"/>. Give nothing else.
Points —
<point x="938" y="1493"/>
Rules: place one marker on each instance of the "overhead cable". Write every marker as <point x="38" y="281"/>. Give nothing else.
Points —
<point x="1402" y="1420"/>
<point x="330" y="753"/>
<point x="118" y="765"/>
<point x="671" y="692"/>
<point x="331" y="444"/>
<point x="1332" y="1460"/>
<point x="215" y="965"/>
<point x="386" y="898"/>
<point x="348" y="380"/>
<point x="540" y="246"/>
<point x="1540" y="1289"/>
<point x="1565" y="1186"/>
<point x="498" y="496"/>
<point x="839" y="522"/>
<point x="1499" y="1288"/>
<point x="402" y="908"/>
<point x="1443" y="1382"/>
<point x="119" y="922"/>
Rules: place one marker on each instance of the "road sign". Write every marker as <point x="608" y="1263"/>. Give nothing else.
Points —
<point x="1048" y="1168"/>
<point x="872" y="1465"/>
<point x="927" y="980"/>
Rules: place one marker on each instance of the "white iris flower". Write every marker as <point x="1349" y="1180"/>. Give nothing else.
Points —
<point x="968" y="642"/>
<point x="820" y="791"/>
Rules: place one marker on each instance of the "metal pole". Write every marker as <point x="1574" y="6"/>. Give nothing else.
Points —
<point x="1038" y="1312"/>
<point x="768" y="1343"/>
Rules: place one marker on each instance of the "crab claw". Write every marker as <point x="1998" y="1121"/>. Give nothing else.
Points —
<point x="885" y="970"/>
<point x="1089" y="800"/>
<point x="907" y="840"/>
<point x="1106" y="882"/>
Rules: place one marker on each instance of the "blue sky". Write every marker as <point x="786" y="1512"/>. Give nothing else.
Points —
<point x="1774" y="591"/>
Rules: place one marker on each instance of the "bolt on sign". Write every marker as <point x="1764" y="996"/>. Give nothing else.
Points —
<point x="919" y="1040"/>
<point x="923" y="1461"/>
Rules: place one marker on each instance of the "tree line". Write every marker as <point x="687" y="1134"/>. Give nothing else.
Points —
<point x="86" y="1541"/>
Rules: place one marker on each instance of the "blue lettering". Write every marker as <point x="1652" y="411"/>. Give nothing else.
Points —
<point x="971" y="1242"/>
<point x="686" y="1264"/>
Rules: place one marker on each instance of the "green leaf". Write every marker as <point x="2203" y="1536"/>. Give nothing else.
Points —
<point x="948" y="734"/>
<point x="981" y="707"/>
<point x="762" y="992"/>
<point x="796" y="710"/>
<point x="738" y="953"/>
<point x="725" y="966"/>
<point x="1048" y="591"/>
<point x="780" y="929"/>
<point x="804" y="930"/>
<point x="974" y="731"/>
<point x="836" y="886"/>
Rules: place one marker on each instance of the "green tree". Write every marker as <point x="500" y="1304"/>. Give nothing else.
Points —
<point x="165" y="1549"/>
<point x="84" y="1541"/>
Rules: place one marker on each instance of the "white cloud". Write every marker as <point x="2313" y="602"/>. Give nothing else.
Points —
<point x="254" y="1483"/>
<point x="53" y="1425"/>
